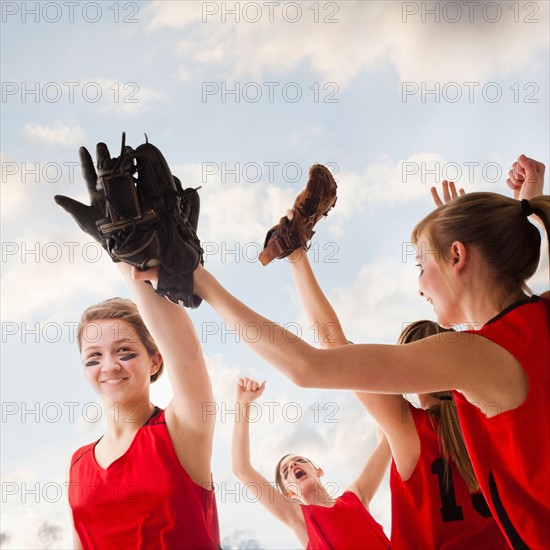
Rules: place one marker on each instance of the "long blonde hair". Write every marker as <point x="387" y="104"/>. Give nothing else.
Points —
<point x="449" y="433"/>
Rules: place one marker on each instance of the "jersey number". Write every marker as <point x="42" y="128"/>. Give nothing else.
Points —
<point x="450" y="511"/>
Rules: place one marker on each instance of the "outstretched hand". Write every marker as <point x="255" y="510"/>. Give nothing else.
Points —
<point x="249" y="390"/>
<point x="448" y="189"/>
<point x="87" y="216"/>
<point x="526" y="178"/>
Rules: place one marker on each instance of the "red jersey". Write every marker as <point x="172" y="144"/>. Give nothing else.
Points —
<point x="429" y="513"/>
<point x="510" y="451"/>
<point x="347" y="525"/>
<point x="144" y="499"/>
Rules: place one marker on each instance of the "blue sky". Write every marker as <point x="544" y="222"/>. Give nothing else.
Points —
<point x="353" y="63"/>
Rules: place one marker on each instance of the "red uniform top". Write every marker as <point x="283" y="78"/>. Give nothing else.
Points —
<point x="144" y="499"/>
<point x="347" y="525"/>
<point x="510" y="452"/>
<point x="427" y="513"/>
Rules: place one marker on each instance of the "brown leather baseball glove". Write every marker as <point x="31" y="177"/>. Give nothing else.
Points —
<point x="313" y="203"/>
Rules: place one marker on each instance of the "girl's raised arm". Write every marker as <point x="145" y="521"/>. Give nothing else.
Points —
<point x="284" y="509"/>
<point x="174" y="333"/>
<point x="370" y="478"/>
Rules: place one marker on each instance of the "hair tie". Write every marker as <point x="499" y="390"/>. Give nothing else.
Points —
<point x="445" y="398"/>
<point x="527" y="209"/>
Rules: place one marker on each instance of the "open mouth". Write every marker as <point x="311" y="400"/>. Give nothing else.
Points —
<point x="299" y="473"/>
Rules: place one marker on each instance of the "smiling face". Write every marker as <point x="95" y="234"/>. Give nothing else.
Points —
<point x="116" y="363"/>
<point x="121" y="309"/>
<point x="295" y="474"/>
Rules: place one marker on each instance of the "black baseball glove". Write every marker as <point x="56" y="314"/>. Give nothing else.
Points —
<point x="142" y="216"/>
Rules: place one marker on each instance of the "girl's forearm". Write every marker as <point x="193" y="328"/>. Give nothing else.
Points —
<point x="240" y="442"/>
<point x="279" y="347"/>
<point x="316" y="305"/>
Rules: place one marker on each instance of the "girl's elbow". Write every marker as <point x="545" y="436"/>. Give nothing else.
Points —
<point x="300" y="380"/>
<point x="237" y="472"/>
<point x="240" y="471"/>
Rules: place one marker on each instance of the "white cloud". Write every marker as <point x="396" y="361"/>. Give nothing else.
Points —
<point x="13" y="192"/>
<point x="336" y="232"/>
<point x="171" y="14"/>
<point x="184" y="74"/>
<point x="111" y="95"/>
<point x="58" y="134"/>
<point x="65" y="265"/>
<point x="364" y="35"/>
<point x="385" y="181"/>
<point x="376" y="305"/>
<point x="235" y="212"/>
<point x="48" y="263"/>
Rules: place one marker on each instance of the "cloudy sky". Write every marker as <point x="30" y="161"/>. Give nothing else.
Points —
<point x="242" y="97"/>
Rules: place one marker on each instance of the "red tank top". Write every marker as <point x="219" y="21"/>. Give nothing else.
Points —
<point x="427" y="513"/>
<point x="347" y="525"/>
<point x="144" y="499"/>
<point x="510" y="452"/>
